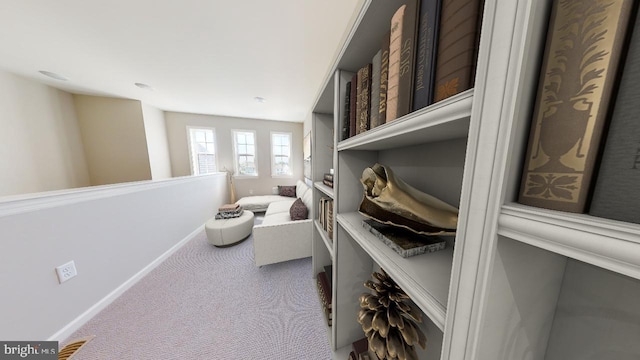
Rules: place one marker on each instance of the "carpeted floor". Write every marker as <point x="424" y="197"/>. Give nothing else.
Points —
<point x="205" y="302"/>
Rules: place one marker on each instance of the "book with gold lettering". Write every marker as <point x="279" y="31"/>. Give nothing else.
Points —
<point x="457" y="47"/>
<point x="577" y="77"/>
<point x="352" y="102"/>
<point x="346" y="116"/>
<point x="617" y="186"/>
<point x="384" y="79"/>
<point x="426" y="45"/>
<point x="395" y="41"/>
<point x="407" y="57"/>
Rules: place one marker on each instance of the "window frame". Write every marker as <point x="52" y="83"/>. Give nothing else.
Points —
<point x="236" y="169"/>
<point x="192" y="154"/>
<point x="273" y="165"/>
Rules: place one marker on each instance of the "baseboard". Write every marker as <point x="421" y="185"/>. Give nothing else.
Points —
<point x="74" y="325"/>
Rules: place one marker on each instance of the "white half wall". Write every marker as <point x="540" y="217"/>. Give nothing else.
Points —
<point x="157" y="144"/>
<point x="40" y="143"/>
<point x="111" y="232"/>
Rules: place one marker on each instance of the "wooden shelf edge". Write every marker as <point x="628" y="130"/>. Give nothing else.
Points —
<point x="444" y="120"/>
<point x="609" y="244"/>
<point x="325" y="237"/>
<point x="324" y="189"/>
<point x="432" y="307"/>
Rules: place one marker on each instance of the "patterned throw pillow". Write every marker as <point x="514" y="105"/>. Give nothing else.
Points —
<point x="287" y="190"/>
<point x="298" y="210"/>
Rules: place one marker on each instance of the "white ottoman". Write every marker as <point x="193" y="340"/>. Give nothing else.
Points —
<point x="227" y="232"/>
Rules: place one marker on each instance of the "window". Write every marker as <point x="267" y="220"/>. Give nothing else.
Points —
<point x="281" y="154"/>
<point x="202" y="144"/>
<point x="244" y="142"/>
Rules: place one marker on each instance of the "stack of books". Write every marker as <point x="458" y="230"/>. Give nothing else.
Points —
<point x="328" y="180"/>
<point x="323" y="281"/>
<point x="325" y="215"/>
<point x="229" y="211"/>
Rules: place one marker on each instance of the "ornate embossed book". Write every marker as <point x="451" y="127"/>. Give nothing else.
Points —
<point x="374" y="115"/>
<point x="362" y="99"/>
<point x="426" y="45"/>
<point x="407" y="57"/>
<point x="457" y="47"/>
<point x="406" y="243"/>
<point x="617" y="187"/>
<point x="346" y="116"/>
<point x="352" y="112"/>
<point x="579" y="70"/>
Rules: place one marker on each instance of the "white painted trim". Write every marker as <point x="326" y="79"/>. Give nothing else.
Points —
<point x="78" y="322"/>
<point x="33" y="202"/>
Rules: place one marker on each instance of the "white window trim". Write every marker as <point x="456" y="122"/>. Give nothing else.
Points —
<point x="190" y="148"/>
<point x="236" y="175"/>
<point x="272" y="158"/>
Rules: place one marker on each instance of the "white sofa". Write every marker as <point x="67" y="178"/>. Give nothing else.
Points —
<point x="279" y="238"/>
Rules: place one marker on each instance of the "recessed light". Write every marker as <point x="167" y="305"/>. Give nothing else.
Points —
<point x="144" y="86"/>
<point x="260" y="99"/>
<point x="53" y="75"/>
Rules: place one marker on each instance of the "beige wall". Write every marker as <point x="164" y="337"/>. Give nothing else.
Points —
<point x="157" y="144"/>
<point x="177" y="134"/>
<point x="40" y="144"/>
<point x="115" y="142"/>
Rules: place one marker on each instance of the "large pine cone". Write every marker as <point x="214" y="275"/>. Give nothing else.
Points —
<point x="388" y="322"/>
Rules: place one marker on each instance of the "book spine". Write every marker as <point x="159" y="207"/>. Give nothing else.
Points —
<point x="617" y="192"/>
<point x="384" y="79"/>
<point x="362" y="103"/>
<point x="395" y="42"/>
<point x="352" y="102"/>
<point x="329" y="183"/>
<point x="407" y="58"/>
<point x="328" y="176"/>
<point x="577" y="77"/>
<point x="457" y="47"/>
<point x="374" y="115"/>
<point x="347" y="112"/>
<point x="428" y="26"/>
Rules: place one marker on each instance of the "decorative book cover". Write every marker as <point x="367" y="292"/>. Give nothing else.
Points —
<point x="395" y="41"/>
<point x="362" y="99"/>
<point x="457" y="47"/>
<point x="617" y="188"/>
<point x="352" y="102"/>
<point x="347" y="112"/>
<point x="374" y="115"/>
<point x="428" y="29"/>
<point x="384" y="79"/>
<point x="405" y="242"/>
<point x="407" y="57"/>
<point x="578" y="73"/>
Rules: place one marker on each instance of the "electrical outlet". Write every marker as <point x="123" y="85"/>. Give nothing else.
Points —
<point x="66" y="271"/>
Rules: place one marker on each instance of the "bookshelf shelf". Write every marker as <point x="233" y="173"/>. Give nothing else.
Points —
<point x="445" y="120"/>
<point x="324" y="188"/>
<point x="425" y="278"/>
<point x="609" y="244"/>
<point x="325" y="237"/>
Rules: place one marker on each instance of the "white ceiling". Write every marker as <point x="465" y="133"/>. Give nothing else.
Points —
<point x="200" y="56"/>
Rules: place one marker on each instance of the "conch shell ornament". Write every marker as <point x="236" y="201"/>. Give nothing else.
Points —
<point x="389" y="200"/>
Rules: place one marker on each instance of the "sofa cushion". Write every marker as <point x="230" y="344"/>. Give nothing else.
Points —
<point x="301" y="188"/>
<point x="298" y="210"/>
<point x="276" y="219"/>
<point x="280" y="206"/>
<point x="289" y="191"/>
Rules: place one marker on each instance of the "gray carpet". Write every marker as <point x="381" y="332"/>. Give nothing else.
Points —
<point x="205" y="302"/>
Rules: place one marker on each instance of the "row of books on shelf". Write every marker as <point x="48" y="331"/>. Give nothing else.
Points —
<point x="327" y="179"/>
<point x="428" y="54"/>
<point x="229" y="211"/>
<point x="325" y="215"/>
<point x="323" y="282"/>
<point x="583" y="153"/>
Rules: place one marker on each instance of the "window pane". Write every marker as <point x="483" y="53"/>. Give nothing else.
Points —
<point x="251" y="149"/>
<point x="211" y="148"/>
<point x="200" y="136"/>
